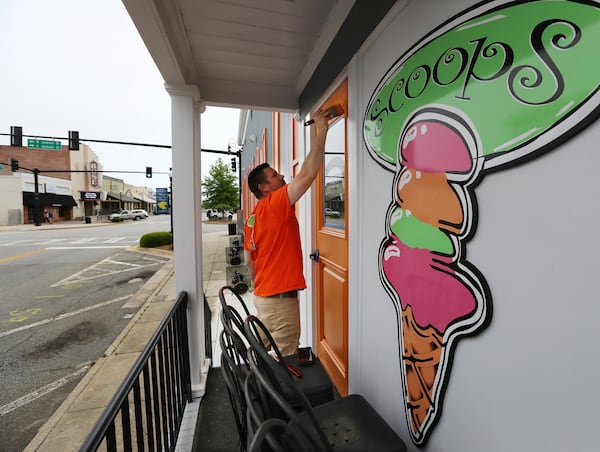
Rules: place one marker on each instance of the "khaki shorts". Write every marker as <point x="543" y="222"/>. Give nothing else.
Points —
<point x="281" y="315"/>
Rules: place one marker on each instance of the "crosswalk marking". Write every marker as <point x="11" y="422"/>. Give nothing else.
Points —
<point x="71" y="241"/>
<point x="91" y="247"/>
<point x="114" y="240"/>
<point x="15" y="242"/>
<point x="86" y="240"/>
<point x="49" y="242"/>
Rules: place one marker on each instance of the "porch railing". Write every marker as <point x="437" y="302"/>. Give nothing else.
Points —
<point x="154" y="392"/>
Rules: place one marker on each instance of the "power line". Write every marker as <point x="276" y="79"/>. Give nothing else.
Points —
<point x="85" y="171"/>
<point x="129" y="143"/>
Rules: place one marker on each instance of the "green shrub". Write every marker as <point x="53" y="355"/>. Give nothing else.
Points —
<point x="116" y="219"/>
<point x="154" y="239"/>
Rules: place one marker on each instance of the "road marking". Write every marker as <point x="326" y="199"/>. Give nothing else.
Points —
<point x="63" y="316"/>
<point x="86" y="247"/>
<point x="69" y="241"/>
<point x="22" y="255"/>
<point x="28" y="398"/>
<point x="105" y="268"/>
<point x="17" y="316"/>
<point x="16" y="242"/>
<point x="116" y="239"/>
<point x="83" y="240"/>
<point x="109" y="261"/>
<point x="50" y="241"/>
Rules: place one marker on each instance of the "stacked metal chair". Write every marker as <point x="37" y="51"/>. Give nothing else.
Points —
<point x="348" y="423"/>
<point x="314" y="383"/>
<point x="271" y="433"/>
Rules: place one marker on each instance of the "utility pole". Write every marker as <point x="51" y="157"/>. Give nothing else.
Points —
<point x="36" y="199"/>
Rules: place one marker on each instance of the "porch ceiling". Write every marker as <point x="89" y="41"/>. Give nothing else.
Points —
<point x="239" y="53"/>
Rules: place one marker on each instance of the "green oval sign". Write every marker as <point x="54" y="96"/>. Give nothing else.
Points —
<point x="517" y="73"/>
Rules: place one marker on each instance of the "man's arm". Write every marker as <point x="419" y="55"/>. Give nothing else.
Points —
<point x="304" y="179"/>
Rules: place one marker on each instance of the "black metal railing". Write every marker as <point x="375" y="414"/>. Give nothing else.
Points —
<point x="154" y="392"/>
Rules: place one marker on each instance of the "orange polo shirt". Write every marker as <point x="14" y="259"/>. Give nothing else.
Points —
<point x="272" y="237"/>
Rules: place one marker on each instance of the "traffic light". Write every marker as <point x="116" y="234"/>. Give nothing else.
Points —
<point x="73" y="140"/>
<point x="148" y="172"/>
<point x="233" y="162"/>
<point x="14" y="165"/>
<point x="16" y="136"/>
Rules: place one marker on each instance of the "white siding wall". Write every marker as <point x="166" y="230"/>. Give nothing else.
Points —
<point x="12" y="197"/>
<point x="529" y="381"/>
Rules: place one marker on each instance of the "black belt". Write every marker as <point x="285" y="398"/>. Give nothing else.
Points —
<point x="289" y="294"/>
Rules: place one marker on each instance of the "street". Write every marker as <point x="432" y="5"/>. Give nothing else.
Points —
<point x="63" y="302"/>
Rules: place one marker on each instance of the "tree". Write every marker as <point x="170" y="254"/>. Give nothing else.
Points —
<point x="219" y="189"/>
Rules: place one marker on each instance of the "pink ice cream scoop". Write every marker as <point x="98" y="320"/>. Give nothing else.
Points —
<point x="434" y="147"/>
<point x="434" y="290"/>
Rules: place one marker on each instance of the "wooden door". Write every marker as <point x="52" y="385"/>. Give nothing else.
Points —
<point x="331" y="265"/>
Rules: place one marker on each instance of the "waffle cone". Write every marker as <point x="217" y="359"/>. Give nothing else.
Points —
<point x="422" y="349"/>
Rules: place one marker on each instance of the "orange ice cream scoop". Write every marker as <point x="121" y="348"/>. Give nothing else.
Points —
<point x="431" y="199"/>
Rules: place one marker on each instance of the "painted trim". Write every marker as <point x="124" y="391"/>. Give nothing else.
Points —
<point x="276" y="132"/>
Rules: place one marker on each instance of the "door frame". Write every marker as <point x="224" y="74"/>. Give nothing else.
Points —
<point x="335" y="361"/>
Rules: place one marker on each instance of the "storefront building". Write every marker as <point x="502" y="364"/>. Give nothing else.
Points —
<point x="71" y="186"/>
<point x="54" y="191"/>
<point x="454" y="217"/>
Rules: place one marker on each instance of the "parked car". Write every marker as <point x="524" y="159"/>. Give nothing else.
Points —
<point x="136" y="214"/>
<point x="332" y="213"/>
<point x="218" y="215"/>
<point x="139" y="214"/>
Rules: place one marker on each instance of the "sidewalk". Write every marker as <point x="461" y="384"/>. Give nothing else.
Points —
<point x="55" y="225"/>
<point x="71" y="423"/>
<point x="214" y="275"/>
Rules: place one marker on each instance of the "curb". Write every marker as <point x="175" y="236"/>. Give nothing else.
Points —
<point x="47" y="227"/>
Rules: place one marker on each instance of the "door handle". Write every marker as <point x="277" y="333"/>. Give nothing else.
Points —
<point x="314" y="255"/>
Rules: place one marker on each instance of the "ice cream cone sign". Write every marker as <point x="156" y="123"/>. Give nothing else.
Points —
<point x="495" y="86"/>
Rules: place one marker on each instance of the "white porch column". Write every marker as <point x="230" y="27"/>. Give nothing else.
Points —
<point x="186" y="108"/>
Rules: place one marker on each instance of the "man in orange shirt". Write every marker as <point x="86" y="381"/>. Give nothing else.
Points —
<point x="272" y="241"/>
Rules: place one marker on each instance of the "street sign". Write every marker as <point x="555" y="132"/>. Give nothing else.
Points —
<point x="162" y="201"/>
<point x="44" y="144"/>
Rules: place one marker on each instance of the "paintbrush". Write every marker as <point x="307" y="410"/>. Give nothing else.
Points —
<point x="332" y="112"/>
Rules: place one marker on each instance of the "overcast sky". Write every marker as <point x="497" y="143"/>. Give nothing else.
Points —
<point x="81" y="65"/>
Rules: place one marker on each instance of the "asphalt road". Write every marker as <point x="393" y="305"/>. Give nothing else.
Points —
<point x="61" y="305"/>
